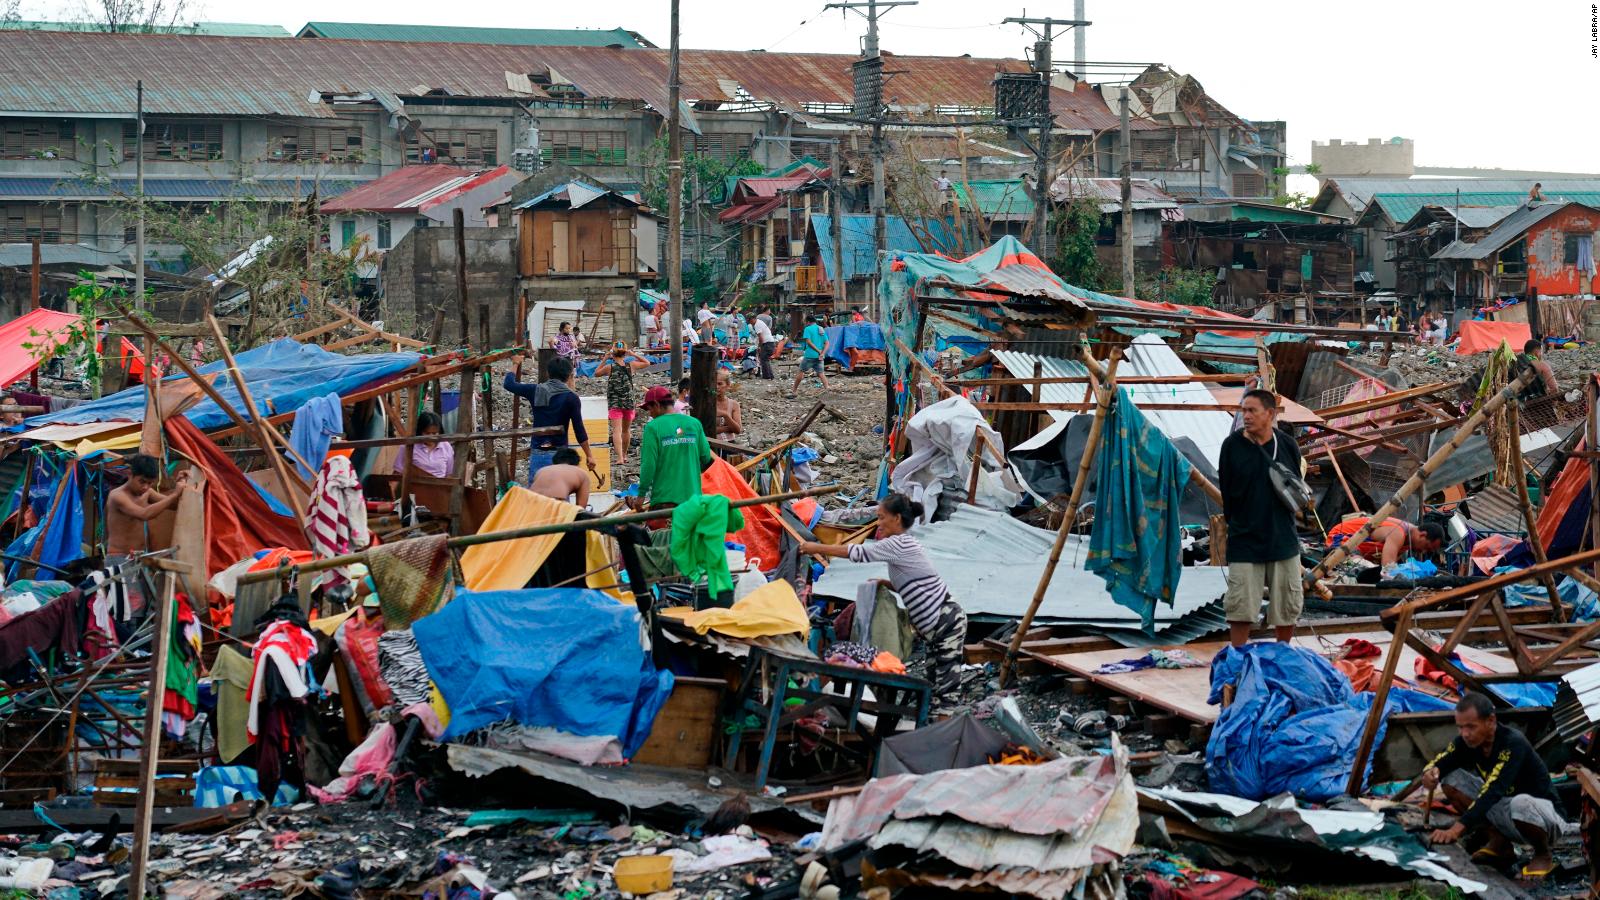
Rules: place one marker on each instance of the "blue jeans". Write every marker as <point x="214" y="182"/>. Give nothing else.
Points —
<point x="538" y="459"/>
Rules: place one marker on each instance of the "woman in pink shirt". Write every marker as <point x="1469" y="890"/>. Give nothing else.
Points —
<point x="435" y="457"/>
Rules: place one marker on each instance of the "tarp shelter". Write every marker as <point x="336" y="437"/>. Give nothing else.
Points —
<point x="860" y="344"/>
<point x="282" y="376"/>
<point x="1479" y="335"/>
<point x="44" y="329"/>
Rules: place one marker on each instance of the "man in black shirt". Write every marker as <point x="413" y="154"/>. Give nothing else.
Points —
<point x="1492" y="776"/>
<point x="1263" y="549"/>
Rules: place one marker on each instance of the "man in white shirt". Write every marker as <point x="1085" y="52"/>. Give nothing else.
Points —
<point x="650" y="328"/>
<point x="765" y="344"/>
<point x="704" y="314"/>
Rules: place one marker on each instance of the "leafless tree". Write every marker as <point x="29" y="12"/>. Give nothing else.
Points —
<point x="10" y="12"/>
<point x="134" y="15"/>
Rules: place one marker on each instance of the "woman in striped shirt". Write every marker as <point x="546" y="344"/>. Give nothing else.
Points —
<point x="935" y="615"/>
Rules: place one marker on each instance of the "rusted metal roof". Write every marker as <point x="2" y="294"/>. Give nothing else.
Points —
<point x="210" y="75"/>
<point x="414" y="188"/>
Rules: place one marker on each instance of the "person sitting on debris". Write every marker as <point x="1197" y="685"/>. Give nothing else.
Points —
<point x="1533" y="358"/>
<point x="813" y="341"/>
<point x="1493" y="777"/>
<point x="435" y="457"/>
<point x="622" y="401"/>
<point x="1387" y="541"/>
<point x="565" y="343"/>
<point x="1263" y="548"/>
<point x="563" y="479"/>
<point x="556" y="405"/>
<point x="672" y="453"/>
<point x="934" y="613"/>
<point x="730" y="421"/>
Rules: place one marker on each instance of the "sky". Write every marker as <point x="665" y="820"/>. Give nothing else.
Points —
<point x="1473" y="83"/>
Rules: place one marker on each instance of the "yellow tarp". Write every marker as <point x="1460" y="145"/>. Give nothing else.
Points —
<point x="507" y="565"/>
<point x="771" y="609"/>
<point x="600" y="564"/>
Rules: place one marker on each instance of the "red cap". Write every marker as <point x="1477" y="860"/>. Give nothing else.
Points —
<point x="657" y="394"/>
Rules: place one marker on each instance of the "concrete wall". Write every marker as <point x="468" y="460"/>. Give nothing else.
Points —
<point x="618" y="295"/>
<point x="418" y="276"/>
<point x="1376" y="158"/>
<point x="1549" y="269"/>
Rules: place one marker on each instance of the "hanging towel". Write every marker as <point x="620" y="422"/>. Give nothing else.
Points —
<point x="507" y="565"/>
<point x="230" y="679"/>
<point x="700" y="526"/>
<point x="1135" y="544"/>
<point x="412" y="578"/>
<point x="337" y="519"/>
<point x="315" y="426"/>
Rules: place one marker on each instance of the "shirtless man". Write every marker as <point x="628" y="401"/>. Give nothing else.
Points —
<point x="1390" y="542"/>
<point x="130" y="508"/>
<point x="563" y="479"/>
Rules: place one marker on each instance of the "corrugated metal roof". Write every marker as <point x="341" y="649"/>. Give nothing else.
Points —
<point x="21" y="188"/>
<point x="205" y="75"/>
<point x="1004" y="199"/>
<point x="1401" y="207"/>
<point x="857" y="241"/>
<point x="413" y="188"/>
<point x="1577" y="708"/>
<point x="1142" y="190"/>
<point x="458" y="34"/>
<point x="1146" y="355"/>
<point x="1358" y="192"/>
<point x="229" y="29"/>
<point x="992" y="564"/>
<point x="1510" y="228"/>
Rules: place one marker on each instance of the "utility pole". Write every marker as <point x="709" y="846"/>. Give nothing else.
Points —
<point x="1079" y="39"/>
<point x="836" y="207"/>
<point x="1127" y="200"/>
<point x="674" y="205"/>
<point x="138" y="190"/>
<point x="873" y="95"/>
<point x="1042" y="64"/>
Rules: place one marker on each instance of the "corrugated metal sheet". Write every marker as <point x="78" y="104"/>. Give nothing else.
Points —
<point x="412" y="188"/>
<point x="1358" y="192"/>
<point x="1401" y="207"/>
<point x="992" y="564"/>
<point x="1495" y="509"/>
<point x="1147" y="355"/>
<point x="1007" y="199"/>
<point x="1577" y="708"/>
<point x="458" y="34"/>
<point x="858" y="240"/>
<point x="1509" y="229"/>
<point x="20" y="188"/>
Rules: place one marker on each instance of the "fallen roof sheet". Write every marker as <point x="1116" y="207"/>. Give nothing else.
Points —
<point x="29" y="338"/>
<point x="1577" y="708"/>
<point x="992" y="563"/>
<point x="282" y="376"/>
<point x="857" y="240"/>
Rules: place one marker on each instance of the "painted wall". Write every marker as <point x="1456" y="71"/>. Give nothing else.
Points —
<point x="1549" y="270"/>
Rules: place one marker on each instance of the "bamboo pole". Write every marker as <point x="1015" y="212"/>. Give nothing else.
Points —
<point x="1105" y="392"/>
<point x="150" y="753"/>
<point x="1526" y="503"/>
<point x="1380" y="698"/>
<point x="472" y="540"/>
<point x="1418" y="478"/>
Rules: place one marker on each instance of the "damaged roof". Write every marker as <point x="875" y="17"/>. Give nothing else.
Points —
<point x="458" y="34"/>
<point x="415" y="188"/>
<point x="1508" y="230"/>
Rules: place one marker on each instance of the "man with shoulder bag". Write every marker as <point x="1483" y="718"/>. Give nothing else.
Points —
<point x="1261" y="493"/>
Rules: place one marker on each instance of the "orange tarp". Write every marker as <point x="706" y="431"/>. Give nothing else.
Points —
<point x="44" y="328"/>
<point x="1478" y="335"/>
<point x="761" y="530"/>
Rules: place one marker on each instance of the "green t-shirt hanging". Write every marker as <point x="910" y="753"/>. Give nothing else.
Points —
<point x="672" y="452"/>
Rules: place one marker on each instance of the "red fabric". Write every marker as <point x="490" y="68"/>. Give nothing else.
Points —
<point x="1568" y="487"/>
<point x="1478" y="336"/>
<point x="1226" y="887"/>
<point x="1360" y="648"/>
<point x="238" y="521"/>
<point x="761" y="529"/>
<point x="1428" y="672"/>
<point x="361" y="649"/>
<point x="42" y="327"/>
<point x="866" y="357"/>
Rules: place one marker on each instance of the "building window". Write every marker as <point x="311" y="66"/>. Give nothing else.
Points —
<point x="38" y="139"/>
<point x="456" y="146"/>
<point x="194" y="141"/>
<point x="584" y="148"/>
<point x="48" y="223"/>
<point x="721" y="147"/>
<point x="347" y="233"/>
<point x="315" y="143"/>
<point x="1249" y="184"/>
<point x="384" y="236"/>
<point x="421" y="223"/>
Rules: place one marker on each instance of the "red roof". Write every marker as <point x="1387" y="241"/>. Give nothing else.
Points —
<point x="413" y="189"/>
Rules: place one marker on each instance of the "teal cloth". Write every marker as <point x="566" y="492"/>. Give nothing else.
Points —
<point x="1136" y="541"/>
<point x="700" y="528"/>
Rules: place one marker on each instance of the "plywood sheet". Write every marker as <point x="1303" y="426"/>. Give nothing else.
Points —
<point x="1184" y="691"/>
<point x="189" y="540"/>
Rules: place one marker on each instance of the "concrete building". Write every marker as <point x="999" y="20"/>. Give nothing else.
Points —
<point x="1377" y="158"/>
<point x="371" y="219"/>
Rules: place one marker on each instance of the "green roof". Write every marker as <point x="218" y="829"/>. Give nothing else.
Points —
<point x="457" y="34"/>
<point x="1401" y="207"/>
<point x="996" y="198"/>
<point x="223" y="29"/>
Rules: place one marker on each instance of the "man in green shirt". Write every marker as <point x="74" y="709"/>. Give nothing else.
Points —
<point x="812" y="342"/>
<point x="672" y="453"/>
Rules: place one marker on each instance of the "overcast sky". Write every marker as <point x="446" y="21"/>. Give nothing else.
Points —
<point x="1474" y="83"/>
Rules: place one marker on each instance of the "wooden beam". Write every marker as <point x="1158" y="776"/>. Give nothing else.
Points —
<point x="1375" y="713"/>
<point x="150" y="752"/>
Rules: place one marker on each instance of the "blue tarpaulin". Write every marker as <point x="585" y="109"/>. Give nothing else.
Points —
<point x="570" y="659"/>
<point x="58" y="538"/>
<point x="860" y="336"/>
<point x="282" y="376"/>
<point x="1294" y="723"/>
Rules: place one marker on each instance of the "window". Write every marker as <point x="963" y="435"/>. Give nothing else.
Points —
<point x="1571" y="247"/>
<point x="347" y="233"/>
<point x="457" y="146"/>
<point x="721" y="147"/>
<point x="584" y="148"/>
<point x="38" y="139"/>
<point x="175" y="140"/>
<point x="315" y="143"/>
<point x="51" y="224"/>
<point x="421" y="223"/>
<point x="383" y="234"/>
<point x="1249" y="184"/>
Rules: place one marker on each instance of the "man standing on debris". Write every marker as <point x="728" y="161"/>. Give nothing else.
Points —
<point x="129" y="509"/>
<point x="1387" y="542"/>
<point x="933" y="612"/>
<point x="1263" y="549"/>
<point x="1533" y="358"/>
<point x="555" y="404"/>
<point x="673" y="451"/>
<point x="813" y="341"/>
<point x="765" y="343"/>
<point x="1493" y="776"/>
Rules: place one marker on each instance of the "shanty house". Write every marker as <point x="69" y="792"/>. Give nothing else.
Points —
<point x="1419" y="278"/>
<point x="374" y="217"/>
<point x="1152" y="207"/>
<point x="1545" y="249"/>
<point x="1263" y="253"/>
<point x="773" y="214"/>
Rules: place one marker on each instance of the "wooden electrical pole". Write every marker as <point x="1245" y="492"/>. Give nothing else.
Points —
<point x="674" y="204"/>
<point x="1128" y="289"/>
<point x="458" y="220"/>
<point x="1043" y="62"/>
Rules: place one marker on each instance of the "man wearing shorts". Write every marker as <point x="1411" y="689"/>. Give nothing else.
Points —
<point x="1263" y="548"/>
<point x="812" y="342"/>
